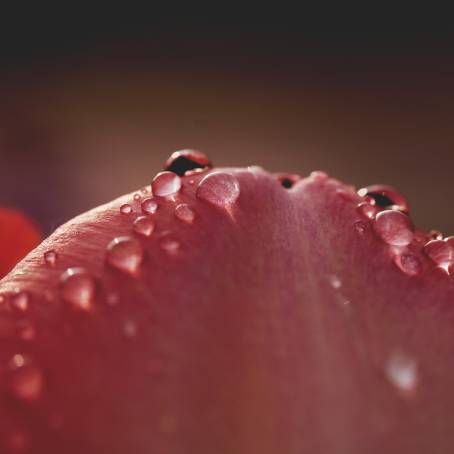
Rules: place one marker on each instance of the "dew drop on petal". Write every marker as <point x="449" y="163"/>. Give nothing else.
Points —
<point x="20" y="301"/>
<point x="143" y="226"/>
<point x="366" y="209"/>
<point x="409" y="264"/>
<point x="335" y="281"/>
<point x="149" y="206"/>
<point x="394" y="227"/>
<point x="125" y="254"/>
<point x="126" y="209"/>
<point x="183" y="161"/>
<point x="170" y="245"/>
<point x="440" y="252"/>
<point x="50" y="258"/>
<point x="402" y="372"/>
<point x="78" y="288"/>
<point x="26" y="379"/>
<point x="385" y="197"/>
<point x="137" y="197"/>
<point x="165" y="184"/>
<point x="185" y="213"/>
<point x="435" y="235"/>
<point x="144" y="191"/>
<point x="219" y="188"/>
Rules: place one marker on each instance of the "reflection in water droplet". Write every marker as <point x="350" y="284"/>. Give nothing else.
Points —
<point x="149" y="206"/>
<point x="394" y="228"/>
<point x="440" y="252"/>
<point x="126" y="209"/>
<point x="367" y="210"/>
<point x="129" y="329"/>
<point x="185" y="213"/>
<point x="143" y="226"/>
<point x="335" y="281"/>
<point x="78" y="288"/>
<point x="402" y="372"/>
<point x="20" y="301"/>
<point x="137" y="197"/>
<point x="26" y="380"/>
<point x="165" y="184"/>
<point x="219" y="188"/>
<point x="385" y="197"/>
<point x="125" y="254"/>
<point x="184" y="161"/>
<point x="360" y="226"/>
<point x="170" y="245"/>
<point x="409" y="264"/>
<point x="50" y="258"/>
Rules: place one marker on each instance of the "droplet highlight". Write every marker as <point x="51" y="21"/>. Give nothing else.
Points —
<point x="20" y="301"/>
<point x="149" y="206"/>
<point x="126" y="209"/>
<point x="165" y="184"/>
<point x="367" y="210"/>
<point x="385" y="197"/>
<point x="125" y="254"/>
<point x="440" y="252"/>
<point x="219" y="188"/>
<point x="185" y="213"/>
<point x="50" y="258"/>
<point x="143" y="226"/>
<point x="394" y="227"/>
<point x="78" y="288"/>
<point x="402" y="372"/>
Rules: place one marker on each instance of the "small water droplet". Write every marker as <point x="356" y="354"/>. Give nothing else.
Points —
<point x="219" y="188"/>
<point x="165" y="184"/>
<point x="130" y="329"/>
<point x="50" y="258"/>
<point x="137" y="197"/>
<point x="125" y="254"/>
<point x="78" y="288"/>
<point x="440" y="252"/>
<point x="191" y="182"/>
<point x="126" y="209"/>
<point x="385" y="197"/>
<point x="144" y="191"/>
<point x="149" y="206"/>
<point x="394" y="227"/>
<point x="335" y="281"/>
<point x="26" y="330"/>
<point x="185" y="213"/>
<point x="360" y="226"/>
<point x="402" y="372"/>
<point x="20" y="301"/>
<point x="367" y="210"/>
<point x="183" y="161"/>
<point x="170" y="245"/>
<point x="143" y="226"/>
<point x="26" y="380"/>
<point x="435" y="235"/>
<point x="409" y="264"/>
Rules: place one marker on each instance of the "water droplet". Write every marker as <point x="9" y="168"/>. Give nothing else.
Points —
<point x="26" y="380"/>
<point x="130" y="329"/>
<point x="149" y="206"/>
<point x="50" y="258"/>
<point x="185" y="213"/>
<point x="183" y="161"/>
<point x="112" y="299"/>
<point x="287" y="180"/>
<point x="165" y="184"/>
<point x="170" y="245"/>
<point x="78" y="288"/>
<point x="367" y="210"/>
<point x="360" y="226"/>
<point x="440" y="252"/>
<point x="191" y="182"/>
<point x="20" y="301"/>
<point x="219" y="188"/>
<point x="394" y="227"/>
<point x="385" y="197"/>
<point x="409" y="264"/>
<point x="435" y="235"/>
<point x="402" y="372"/>
<point x="126" y="209"/>
<point x="143" y="226"/>
<point x="137" y="197"/>
<point x="144" y="191"/>
<point x="125" y="254"/>
<point x="335" y="281"/>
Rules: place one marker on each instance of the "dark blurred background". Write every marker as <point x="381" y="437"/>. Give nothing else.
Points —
<point x="92" y="103"/>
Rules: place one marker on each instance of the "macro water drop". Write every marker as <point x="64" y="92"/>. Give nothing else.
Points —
<point x="185" y="213"/>
<point x="20" y="301"/>
<point x="440" y="252"/>
<point x="402" y="372"/>
<point x="125" y="254"/>
<point x="165" y="184"/>
<point x="183" y="161"/>
<point x="221" y="189"/>
<point x="367" y="210"/>
<point x="50" y="258"/>
<point x="408" y="263"/>
<point x="78" y="288"/>
<point x="394" y="228"/>
<point x="126" y="209"/>
<point x="149" y="206"/>
<point x="143" y="226"/>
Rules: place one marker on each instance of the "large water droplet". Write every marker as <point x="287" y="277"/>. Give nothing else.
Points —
<point x="78" y="288"/>
<point x="20" y="301"/>
<point x="402" y="372"/>
<point x="440" y="252"/>
<point x="183" y="161"/>
<point x="219" y="188"/>
<point x="125" y="254"/>
<point x="185" y="213"/>
<point x="409" y="264"/>
<point x="26" y="380"/>
<point x="165" y="184"/>
<point x="385" y="197"/>
<point x="170" y="245"/>
<point x="126" y="209"/>
<point x="149" y="206"/>
<point x="50" y="258"/>
<point x="394" y="227"/>
<point x="143" y="226"/>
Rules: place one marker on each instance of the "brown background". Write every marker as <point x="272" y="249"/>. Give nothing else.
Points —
<point x="89" y="111"/>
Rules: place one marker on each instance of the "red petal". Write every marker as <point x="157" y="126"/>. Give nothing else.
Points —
<point x="273" y="324"/>
<point x="18" y="236"/>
